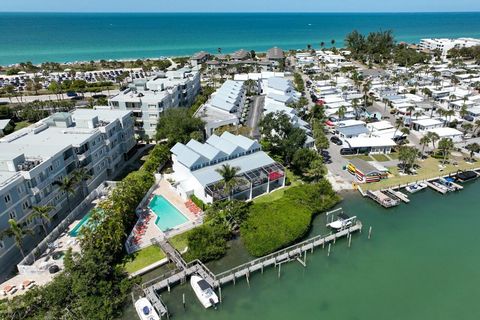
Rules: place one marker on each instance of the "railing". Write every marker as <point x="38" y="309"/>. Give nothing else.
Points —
<point x="25" y="266"/>
<point x="281" y="252"/>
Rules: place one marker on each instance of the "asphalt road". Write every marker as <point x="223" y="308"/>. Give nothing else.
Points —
<point x="255" y="114"/>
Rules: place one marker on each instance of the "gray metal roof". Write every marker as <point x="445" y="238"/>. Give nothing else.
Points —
<point x="187" y="156"/>
<point x="363" y="166"/>
<point x="208" y="175"/>
<point x="353" y="130"/>
<point x="224" y="145"/>
<point x="278" y="83"/>
<point x="275" y="53"/>
<point x="239" y="140"/>
<point x="206" y="150"/>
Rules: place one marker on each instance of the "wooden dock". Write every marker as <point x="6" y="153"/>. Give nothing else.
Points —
<point x="184" y="270"/>
<point x="384" y="199"/>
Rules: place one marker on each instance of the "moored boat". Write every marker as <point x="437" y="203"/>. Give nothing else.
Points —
<point x="416" y="187"/>
<point x="145" y="310"/>
<point x="343" y="221"/>
<point x="204" y="292"/>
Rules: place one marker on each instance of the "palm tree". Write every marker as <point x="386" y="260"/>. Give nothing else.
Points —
<point x="229" y="177"/>
<point x="410" y="110"/>
<point x="82" y="176"/>
<point x="42" y="213"/>
<point x="473" y="148"/>
<point x="341" y="112"/>
<point x="445" y="145"/>
<point x="424" y="141"/>
<point x="477" y="126"/>
<point x="67" y="185"/>
<point x="18" y="232"/>
<point x="356" y="107"/>
<point x="433" y="136"/>
<point x="398" y="124"/>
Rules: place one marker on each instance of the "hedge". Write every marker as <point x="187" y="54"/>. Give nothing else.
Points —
<point x="275" y="225"/>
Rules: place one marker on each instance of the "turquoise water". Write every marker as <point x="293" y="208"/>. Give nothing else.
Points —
<point x="422" y="263"/>
<point x="76" y="230"/>
<point x="168" y="216"/>
<point x="65" y="37"/>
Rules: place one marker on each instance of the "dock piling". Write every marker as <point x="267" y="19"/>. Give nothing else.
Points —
<point x="279" y="270"/>
<point x="220" y="293"/>
<point x="370" y="232"/>
<point x="349" y="240"/>
<point x="183" y="300"/>
<point x="329" y="247"/>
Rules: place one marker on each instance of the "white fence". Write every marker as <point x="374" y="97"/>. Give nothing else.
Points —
<point x="26" y="265"/>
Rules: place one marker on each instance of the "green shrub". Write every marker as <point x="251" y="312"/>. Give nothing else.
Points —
<point x="207" y="242"/>
<point x="275" y="225"/>
<point x="198" y="202"/>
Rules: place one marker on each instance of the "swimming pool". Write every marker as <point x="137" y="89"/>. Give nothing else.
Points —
<point x="76" y="230"/>
<point x="168" y="217"/>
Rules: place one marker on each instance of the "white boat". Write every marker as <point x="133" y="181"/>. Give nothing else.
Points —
<point x="416" y="187"/>
<point x="145" y="310"/>
<point x="343" y="221"/>
<point x="204" y="292"/>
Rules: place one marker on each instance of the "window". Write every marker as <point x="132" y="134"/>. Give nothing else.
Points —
<point x="12" y="215"/>
<point x="25" y="205"/>
<point x="21" y="189"/>
<point x="7" y="198"/>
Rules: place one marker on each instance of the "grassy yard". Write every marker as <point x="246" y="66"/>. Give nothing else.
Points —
<point x="360" y="156"/>
<point x="179" y="241"/>
<point x="275" y="195"/>
<point x="143" y="258"/>
<point x="380" y="157"/>
<point x="429" y="168"/>
<point x="21" y="125"/>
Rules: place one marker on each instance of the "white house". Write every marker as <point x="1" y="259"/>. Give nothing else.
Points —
<point x="196" y="168"/>
<point x="426" y="124"/>
<point x="372" y="145"/>
<point x="449" y="133"/>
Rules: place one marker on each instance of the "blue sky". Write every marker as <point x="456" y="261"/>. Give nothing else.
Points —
<point x="240" y="6"/>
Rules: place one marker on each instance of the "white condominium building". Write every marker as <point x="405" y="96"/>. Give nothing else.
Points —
<point x="444" y="45"/>
<point x="148" y="99"/>
<point x="34" y="158"/>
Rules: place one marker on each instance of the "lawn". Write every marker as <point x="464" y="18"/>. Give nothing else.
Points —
<point x="429" y="168"/>
<point x="179" y="241"/>
<point x="277" y="194"/>
<point x="359" y="156"/>
<point x="380" y="157"/>
<point x="21" y="125"/>
<point x="143" y="258"/>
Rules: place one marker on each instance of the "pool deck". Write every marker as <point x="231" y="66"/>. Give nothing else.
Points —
<point x="152" y="231"/>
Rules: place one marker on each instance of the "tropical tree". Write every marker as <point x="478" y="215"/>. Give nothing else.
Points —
<point x="477" y="126"/>
<point x="356" y="107"/>
<point x="407" y="155"/>
<point x="410" y="110"/>
<point x="398" y="124"/>
<point x="424" y="141"/>
<point x="467" y="126"/>
<point x="43" y="214"/>
<point x="341" y="112"/>
<point x="433" y="136"/>
<point x="473" y="148"/>
<point x="445" y="146"/>
<point x="82" y="175"/>
<point x="316" y="170"/>
<point x="17" y="231"/>
<point x="67" y="185"/>
<point x="229" y="177"/>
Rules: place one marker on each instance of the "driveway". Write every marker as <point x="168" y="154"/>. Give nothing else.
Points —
<point x="255" y="114"/>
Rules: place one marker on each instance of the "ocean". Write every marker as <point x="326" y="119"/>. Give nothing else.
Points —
<point x="66" y="37"/>
<point x="421" y="262"/>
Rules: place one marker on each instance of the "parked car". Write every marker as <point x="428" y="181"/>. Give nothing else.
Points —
<point x="336" y="140"/>
<point x="468" y="118"/>
<point x="71" y="94"/>
<point x="347" y="151"/>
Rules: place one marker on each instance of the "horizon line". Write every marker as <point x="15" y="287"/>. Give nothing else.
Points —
<point x="244" y="12"/>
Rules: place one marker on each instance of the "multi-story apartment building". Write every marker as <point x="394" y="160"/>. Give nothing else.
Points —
<point x="34" y="158"/>
<point x="149" y="99"/>
<point x="444" y="45"/>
